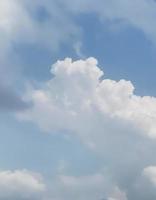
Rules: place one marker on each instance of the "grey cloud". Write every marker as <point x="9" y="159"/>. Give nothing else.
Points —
<point x="10" y="100"/>
<point x="20" y="184"/>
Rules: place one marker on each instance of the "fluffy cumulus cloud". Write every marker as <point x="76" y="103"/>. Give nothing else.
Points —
<point x="53" y="23"/>
<point x="21" y="185"/>
<point x="80" y="100"/>
<point x="105" y="115"/>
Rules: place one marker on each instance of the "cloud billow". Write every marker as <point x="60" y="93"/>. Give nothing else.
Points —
<point x="105" y="115"/>
<point x="79" y="100"/>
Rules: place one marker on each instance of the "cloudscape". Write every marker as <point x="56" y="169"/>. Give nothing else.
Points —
<point x="77" y="100"/>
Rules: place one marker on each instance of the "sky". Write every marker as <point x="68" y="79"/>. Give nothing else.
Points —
<point x="77" y="100"/>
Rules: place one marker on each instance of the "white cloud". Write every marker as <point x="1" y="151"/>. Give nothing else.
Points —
<point x="78" y="100"/>
<point x="22" y="184"/>
<point x="100" y="112"/>
<point x="19" y="22"/>
<point x="106" y="115"/>
<point x="150" y="174"/>
<point x="145" y="184"/>
<point x="43" y="24"/>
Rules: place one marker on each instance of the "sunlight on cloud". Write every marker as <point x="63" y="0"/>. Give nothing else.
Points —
<point x="116" y="125"/>
<point x="105" y="115"/>
<point x="79" y="100"/>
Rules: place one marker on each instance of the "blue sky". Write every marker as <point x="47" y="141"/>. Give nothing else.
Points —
<point x="72" y="126"/>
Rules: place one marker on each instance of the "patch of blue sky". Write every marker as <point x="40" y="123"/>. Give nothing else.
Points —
<point x="123" y="52"/>
<point x="23" y="145"/>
